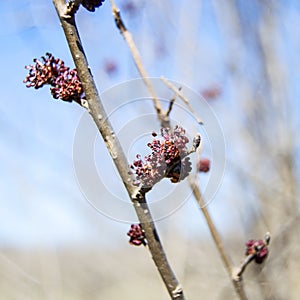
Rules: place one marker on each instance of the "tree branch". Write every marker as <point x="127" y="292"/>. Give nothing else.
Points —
<point x="218" y="241"/>
<point x="182" y="97"/>
<point x="96" y="110"/>
<point x="163" y="117"/>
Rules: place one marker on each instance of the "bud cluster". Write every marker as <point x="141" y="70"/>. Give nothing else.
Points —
<point x="136" y="235"/>
<point x="65" y="83"/>
<point x="258" y="248"/>
<point x="203" y="165"/>
<point x="167" y="159"/>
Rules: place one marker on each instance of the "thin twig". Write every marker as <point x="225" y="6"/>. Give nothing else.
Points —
<point x="172" y="101"/>
<point x="238" y="275"/>
<point x="211" y="226"/>
<point x="138" y="61"/>
<point x="182" y="97"/>
<point x="99" y="116"/>
<point x="250" y="257"/>
<point x="217" y="239"/>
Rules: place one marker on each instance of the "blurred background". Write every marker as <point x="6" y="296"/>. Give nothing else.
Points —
<point x="243" y="58"/>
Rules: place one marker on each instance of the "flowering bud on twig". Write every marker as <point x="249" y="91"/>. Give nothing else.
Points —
<point x="167" y="159"/>
<point x="136" y="235"/>
<point x="203" y="165"/>
<point x="258" y="248"/>
<point x="68" y="86"/>
<point x="44" y="71"/>
<point x="65" y="83"/>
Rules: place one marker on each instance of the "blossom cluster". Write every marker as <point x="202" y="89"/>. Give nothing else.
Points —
<point x="168" y="159"/>
<point x="258" y="248"/>
<point x="65" y="83"/>
<point x="137" y="236"/>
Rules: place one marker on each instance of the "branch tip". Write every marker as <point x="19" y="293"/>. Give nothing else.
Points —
<point x="178" y="93"/>
<point x="117" y="16"/>
<point x="257" y="250"/>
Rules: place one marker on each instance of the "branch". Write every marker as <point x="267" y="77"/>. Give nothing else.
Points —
<point x="163" y="117"/>
<point x="172" y="101"/>
<point x="211" y="226"/>
<point x="218" y="241"/>
<point x="256" y="250"/>
<point x="238" y="275"/>
<point x="96" y="110"/>
<point x="182" y="97"/>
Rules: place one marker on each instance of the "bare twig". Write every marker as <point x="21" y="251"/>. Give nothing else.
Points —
<point x="163" y="117"/>
<point x="99" y="116"/>
<point x="172" y="101"/>
<point x="182" y="97"/>
<point x="211" y="226"/>
<point x="170" y="106"/>
<point x="242" y="268"/>
<point x="217" y="239"/>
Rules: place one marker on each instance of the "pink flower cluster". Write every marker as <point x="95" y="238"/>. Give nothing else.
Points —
<point x="65" y="83"/>
<point x="203" y="165"/>
<point x="167" y="159"/>
<point x="67" y="86"/>
<point x="136" y="235"/>
<point x="259" y="248"/>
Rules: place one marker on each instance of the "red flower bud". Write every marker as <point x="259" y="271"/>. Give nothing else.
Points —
<point x="136" y="235"/>
<point x="203" y="165"/>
